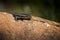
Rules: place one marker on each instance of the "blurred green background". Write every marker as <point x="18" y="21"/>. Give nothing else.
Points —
<point x="48" y="9"/>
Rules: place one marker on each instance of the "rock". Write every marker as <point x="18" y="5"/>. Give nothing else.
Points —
<point x="34" y="29"/>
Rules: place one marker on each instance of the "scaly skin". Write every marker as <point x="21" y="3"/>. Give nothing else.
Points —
<point x="21" y="16"/>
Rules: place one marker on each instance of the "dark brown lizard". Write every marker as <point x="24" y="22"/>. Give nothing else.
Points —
<point x="22" y="16"/>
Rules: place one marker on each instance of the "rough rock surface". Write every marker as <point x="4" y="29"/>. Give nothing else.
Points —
<point x="34" y="29"/>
